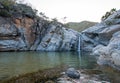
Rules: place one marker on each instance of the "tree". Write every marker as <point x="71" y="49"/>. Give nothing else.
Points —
<point x="113" y="10"/>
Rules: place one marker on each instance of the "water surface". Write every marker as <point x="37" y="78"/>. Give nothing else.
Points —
<point x="16" y="63"/>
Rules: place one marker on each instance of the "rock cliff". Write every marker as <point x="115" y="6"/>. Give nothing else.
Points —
<point x="25" y="31"/>
<point x="103" y="39"/>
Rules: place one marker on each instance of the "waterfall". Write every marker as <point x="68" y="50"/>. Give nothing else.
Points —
<point x="79" y="50"/>
<point x="79" y="41"/>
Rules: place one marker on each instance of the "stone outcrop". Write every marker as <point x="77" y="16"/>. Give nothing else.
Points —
<point x="59" y="38"/>
<point x="22" y="30"/>
<point x="30" y="34"/>
<point x="110" y="54"/>
<point x="103" y="40"/>
<point x="25" y="31"/>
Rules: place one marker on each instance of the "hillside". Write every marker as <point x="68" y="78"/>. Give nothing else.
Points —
<point x="80" y="26"/>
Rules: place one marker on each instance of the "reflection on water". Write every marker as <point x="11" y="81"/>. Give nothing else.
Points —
<point x="15" y="63"/>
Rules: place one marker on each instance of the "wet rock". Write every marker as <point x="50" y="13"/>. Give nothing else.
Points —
<point x="72" y="73"/>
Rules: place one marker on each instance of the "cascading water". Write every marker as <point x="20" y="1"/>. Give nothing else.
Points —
<point x="79" y="41"/>
<point x="79" y="49"/>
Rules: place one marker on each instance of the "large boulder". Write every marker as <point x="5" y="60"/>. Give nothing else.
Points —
<point x="72" y="73"/>
<point x="110" y="54"/>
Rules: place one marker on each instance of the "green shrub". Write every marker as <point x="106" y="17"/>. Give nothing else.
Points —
<point x="7" y="3"/>
<point x="11" y="8"/>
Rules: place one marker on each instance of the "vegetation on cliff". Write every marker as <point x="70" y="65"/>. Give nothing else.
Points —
<point x="10" y="8"/>
<point x="107" y="14"/>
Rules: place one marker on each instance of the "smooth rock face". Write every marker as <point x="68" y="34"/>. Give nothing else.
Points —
<point x="72" y="73"/>
<point x="59" y="38"/>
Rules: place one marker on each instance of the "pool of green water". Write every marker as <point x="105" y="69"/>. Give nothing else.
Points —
<point x="16" y="63"/>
